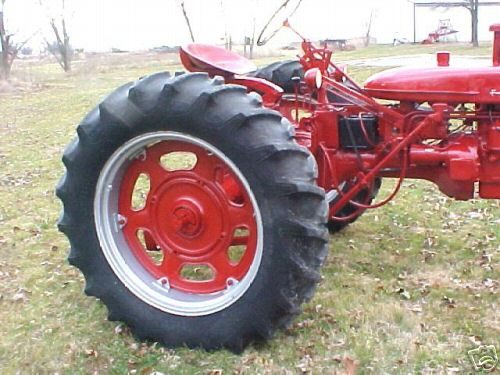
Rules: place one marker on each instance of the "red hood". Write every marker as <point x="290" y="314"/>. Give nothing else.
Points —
<point x="439" y="84"/>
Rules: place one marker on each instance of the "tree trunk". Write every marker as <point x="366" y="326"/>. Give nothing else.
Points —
<point x="6" y="60"/>
<point x="474" y="22"/>
<point x="6" y="67"/>
<point x="67" y="48"/>
<point x="4" y="50"/>
<point x="368" y="30"/>
<point x="63" y="53"/>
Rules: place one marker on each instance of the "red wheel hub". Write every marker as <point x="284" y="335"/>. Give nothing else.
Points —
<point x="187" y="219"/>
<point x="193" y="216"/>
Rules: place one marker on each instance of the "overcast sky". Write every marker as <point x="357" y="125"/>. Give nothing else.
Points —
<point x="99" y="25"/>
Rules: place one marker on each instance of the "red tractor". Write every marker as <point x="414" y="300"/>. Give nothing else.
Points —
<point x="198" y="205"/>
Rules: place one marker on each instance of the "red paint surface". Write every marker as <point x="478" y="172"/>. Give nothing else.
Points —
<point x="214" y="60"/>
<point x="191" y="215"/>
<point x="440" y="84"/>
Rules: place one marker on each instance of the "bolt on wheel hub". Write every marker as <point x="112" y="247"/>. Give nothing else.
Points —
<point x="187" y="219"/>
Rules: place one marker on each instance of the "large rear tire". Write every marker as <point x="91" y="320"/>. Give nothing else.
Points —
<point x="248" y="186"/>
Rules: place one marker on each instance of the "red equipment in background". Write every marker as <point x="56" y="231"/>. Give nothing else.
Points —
<point x="444" y="29"/>
<point x="442" y="123"/>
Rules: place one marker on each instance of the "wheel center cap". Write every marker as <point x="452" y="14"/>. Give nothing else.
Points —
<point x="187" y="219"/>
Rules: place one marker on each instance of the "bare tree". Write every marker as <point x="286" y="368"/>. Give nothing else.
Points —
<point x="10" y="48"/>
<point x="369" y="30"/>
<point x="473" y="7"/>
<point x="188" y="23"/>
<point x="61" y="49"/>
<point x="254" y="25"/>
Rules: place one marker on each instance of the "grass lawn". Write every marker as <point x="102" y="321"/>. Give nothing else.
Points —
<point x="409" y="288"/>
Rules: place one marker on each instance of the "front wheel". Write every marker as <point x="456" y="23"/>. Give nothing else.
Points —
<point x="191" y="212"/>
<point x="349" y="213"/>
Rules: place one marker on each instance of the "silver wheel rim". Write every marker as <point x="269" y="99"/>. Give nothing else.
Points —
<point x="124" y="263"/>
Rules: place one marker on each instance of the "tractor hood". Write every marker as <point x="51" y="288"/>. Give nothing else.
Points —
<point x="439" y="84"/>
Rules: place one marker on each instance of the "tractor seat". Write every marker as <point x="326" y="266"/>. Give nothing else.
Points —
<point x="214" y="60"/>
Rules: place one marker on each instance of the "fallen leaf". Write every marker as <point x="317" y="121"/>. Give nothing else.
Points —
<point x="403" y="293"/>
<point x="337" y="358"/>
<point x="91" y="353"/>
<point x="449" y="302"/>
<point x="488" y="283"/>
<point x="119" y="329"/>
<point x="350" y="365"/>
<point x="19" y="297"/>
<point x="475" y="340"/>
<point x="416" y="309"/>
